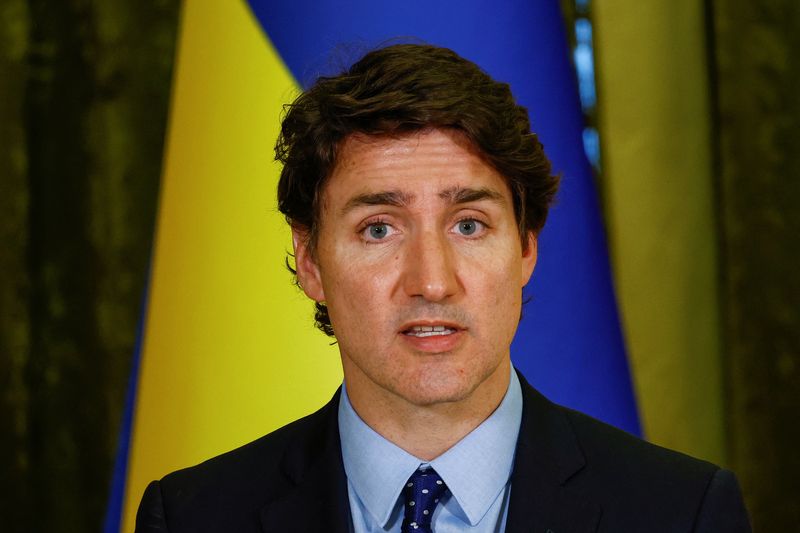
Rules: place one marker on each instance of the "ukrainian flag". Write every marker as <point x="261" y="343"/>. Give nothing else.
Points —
<point x="228" y="350"/>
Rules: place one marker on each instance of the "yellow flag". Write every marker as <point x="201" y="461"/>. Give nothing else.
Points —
<point x="229" y="350"/>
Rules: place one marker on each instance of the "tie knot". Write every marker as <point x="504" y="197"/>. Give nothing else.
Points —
<point x="422" y="493"/>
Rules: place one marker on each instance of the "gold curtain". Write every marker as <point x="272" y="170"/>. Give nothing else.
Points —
<point x="84" y="94"/>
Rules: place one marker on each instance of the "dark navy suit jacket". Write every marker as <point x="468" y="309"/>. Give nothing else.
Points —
<point x="572" y="474"/>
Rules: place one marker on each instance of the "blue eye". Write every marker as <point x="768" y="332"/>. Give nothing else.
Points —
<point x="467" y="227"/>
<point x="378" y="231"/>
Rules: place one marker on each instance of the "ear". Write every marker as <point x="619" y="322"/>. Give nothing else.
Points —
<point x="529" y="258"/>
<point x="307" y="269"/>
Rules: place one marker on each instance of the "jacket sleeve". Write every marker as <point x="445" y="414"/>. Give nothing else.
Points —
<point x="150" y="516"/>
<point x="723" y="510"/>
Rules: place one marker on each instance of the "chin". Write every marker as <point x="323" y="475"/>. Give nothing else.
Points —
<point x="429" y="399"/>
<point x="433" y="390"/>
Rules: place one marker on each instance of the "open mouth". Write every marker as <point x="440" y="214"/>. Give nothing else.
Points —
<point x="429" y="331"/>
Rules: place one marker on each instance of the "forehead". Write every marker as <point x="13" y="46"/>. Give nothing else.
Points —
<point x="418" y="163"/>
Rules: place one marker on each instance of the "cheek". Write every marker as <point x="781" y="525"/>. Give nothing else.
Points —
<point x="498" y="268"/>
<point x="357" y="290"/>
<point x="496" y="280"/>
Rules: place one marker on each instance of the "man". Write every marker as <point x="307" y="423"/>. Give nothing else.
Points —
<point x="415" y="192"/>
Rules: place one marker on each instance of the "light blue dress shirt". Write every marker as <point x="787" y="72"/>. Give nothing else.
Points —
<point x="477" y="470"/>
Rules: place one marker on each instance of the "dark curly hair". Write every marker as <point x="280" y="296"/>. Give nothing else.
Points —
<point x="401" y="89"/>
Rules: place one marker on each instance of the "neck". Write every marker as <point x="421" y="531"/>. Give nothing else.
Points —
<point x="425" y="430"/>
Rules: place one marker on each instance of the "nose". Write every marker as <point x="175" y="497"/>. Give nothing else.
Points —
<point x="430" y="270"/>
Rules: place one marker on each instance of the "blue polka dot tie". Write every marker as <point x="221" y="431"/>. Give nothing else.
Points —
<point x="422" y="493"/>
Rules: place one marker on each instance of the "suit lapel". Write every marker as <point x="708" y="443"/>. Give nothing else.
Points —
<point x="542" y="501"/>
<point x="318" y="499"/>
<point x="547" y="457"/>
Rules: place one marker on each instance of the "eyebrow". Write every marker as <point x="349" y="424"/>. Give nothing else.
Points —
<point x="453" y="195"/>
<point x="393" y="198"/>
<point x="464" y="195"/>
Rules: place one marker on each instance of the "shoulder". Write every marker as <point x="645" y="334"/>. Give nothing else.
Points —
<point x="257" y="463"/>
<point x="636" y="485"/>
<point x="640" y="484"/>
<point x="237" y="484"/>
<point x="624" y="457"/>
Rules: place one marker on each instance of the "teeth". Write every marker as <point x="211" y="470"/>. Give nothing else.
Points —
<point x="429" y="331"/>
<point x="428" y="328"/>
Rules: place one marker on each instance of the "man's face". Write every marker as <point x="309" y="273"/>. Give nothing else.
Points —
<point x="420" y="263"/>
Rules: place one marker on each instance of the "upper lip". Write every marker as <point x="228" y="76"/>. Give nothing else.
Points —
<point x="431" y="322"/>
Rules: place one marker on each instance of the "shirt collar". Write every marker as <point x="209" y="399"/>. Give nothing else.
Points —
<point x="378" y="469"/>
